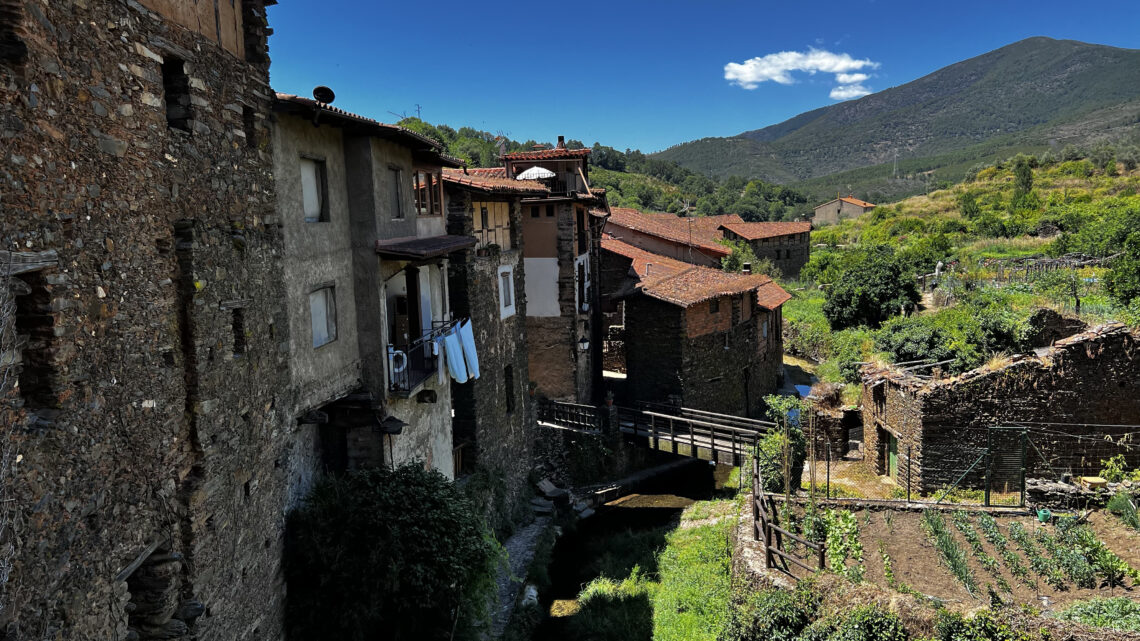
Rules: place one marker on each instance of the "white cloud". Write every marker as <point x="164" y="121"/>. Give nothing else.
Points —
<point x="847" y="92"/>
<point x="778" y="68"/>
<point x="851" y="78"/>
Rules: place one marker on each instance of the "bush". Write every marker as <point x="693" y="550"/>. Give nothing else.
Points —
<point x="869" y="623"/>
<point x="1123" y="282"/>
<point x="388" y="554"/>
<point x="775" y="614"/>
<point x="1121" y="505"/>
<point x="875" y="287"/>
<point x="771" y="459"/>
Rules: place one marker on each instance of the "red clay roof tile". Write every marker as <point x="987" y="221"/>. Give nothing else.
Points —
<point x="548" y="154"/>
<point x="704" y="232"/>
<point x="698" y="284"/>
<point x="492" y="183"/>
<point x="756" y="231"/>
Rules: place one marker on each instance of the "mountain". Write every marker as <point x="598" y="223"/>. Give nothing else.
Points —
<point x="1029" y="95"/>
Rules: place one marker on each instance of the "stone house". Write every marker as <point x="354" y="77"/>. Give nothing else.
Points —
<point x="696" y="336"/>
<point x="842" y="208"/>
<point x="148" y="391"/>
<point x="1077" y="399"/>
<point x="493" y="415"/>
<point x="560" y="237"/>
<point x="787" y="245"/>
<point x="362" y="209"/>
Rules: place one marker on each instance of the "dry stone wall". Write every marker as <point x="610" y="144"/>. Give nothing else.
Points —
<point x="151" y="481"/>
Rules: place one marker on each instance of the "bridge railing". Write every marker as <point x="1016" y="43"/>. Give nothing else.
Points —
<point x="571" y="415"/>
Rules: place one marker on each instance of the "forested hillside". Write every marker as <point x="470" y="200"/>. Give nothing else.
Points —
<point x="1028" y="96"/>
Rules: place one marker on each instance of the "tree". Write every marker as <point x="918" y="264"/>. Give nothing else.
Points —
<point x="1123" y="281"/>
<point x="968" y="204"/>
<point x="388" y="554"/>
<point x="741" y="255"/>
<point x="1022" y="181"/>
<point x="874" y="288"/>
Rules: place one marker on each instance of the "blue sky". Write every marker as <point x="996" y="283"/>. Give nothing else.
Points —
<point x="645" y="75"/>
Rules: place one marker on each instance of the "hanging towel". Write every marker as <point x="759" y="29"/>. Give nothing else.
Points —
<point x="438" y="350"/>
<point x="453" y="350"/>
<point x="467" y="336"/>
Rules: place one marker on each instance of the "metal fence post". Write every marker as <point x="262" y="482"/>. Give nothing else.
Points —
<point x="989" y="462"/>
<point x="1024" y="437"/>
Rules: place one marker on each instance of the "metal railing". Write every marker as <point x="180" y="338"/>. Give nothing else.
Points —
<point x="409" y="366"/>
<point x="572" y="415"/>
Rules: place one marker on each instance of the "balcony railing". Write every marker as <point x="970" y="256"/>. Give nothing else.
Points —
<point x="410" y="365"/>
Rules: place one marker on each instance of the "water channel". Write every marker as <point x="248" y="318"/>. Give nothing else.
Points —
<point x="625" y="533"/>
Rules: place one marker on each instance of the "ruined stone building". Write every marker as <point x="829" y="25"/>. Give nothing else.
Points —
<point x="842" y="208"/>
<point x="151" y="389"/>
<point x="1078" y="400"/>
<point x="560" y="254"/>
<point x="787" y="245"/>
<point x="694" y="336"/>
<point x="493" y="415"/>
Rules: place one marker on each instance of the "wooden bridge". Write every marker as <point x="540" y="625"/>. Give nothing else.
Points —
<point x="679" y="430"/>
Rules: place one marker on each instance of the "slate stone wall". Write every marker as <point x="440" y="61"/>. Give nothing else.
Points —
<point x="1072" y="400"/>
<point x="497" y="434"/>
<point x="790" y="253"/>
<point x="151" y="435"/>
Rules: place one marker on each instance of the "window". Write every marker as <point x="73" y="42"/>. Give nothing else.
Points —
<point x="314" y="187"/>
<point x="249" y="125"/>
<point x="429" y="201"/>
<point x="397" y="203"/>
<point x="506" y="292"/>
<point x="239" y="332"/>
<point x="714" y="306"/>
<point x="764" y="329"/>
<point x="509" y="387"/>
<point x="550" y="211"/>
<point x="322" y="313"/>
<point x="535" y="212"/>
<point x="483" y="218"/>
<point x="12" y="47"/>
<point x="176" y="88"/>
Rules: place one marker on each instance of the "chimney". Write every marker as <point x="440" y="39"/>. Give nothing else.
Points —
<point x="647" y="266"/>
<point x="562" y="142"/>
<point x="746" y="269"/>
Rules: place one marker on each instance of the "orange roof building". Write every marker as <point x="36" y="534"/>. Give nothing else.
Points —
<point x="841" y="208"/>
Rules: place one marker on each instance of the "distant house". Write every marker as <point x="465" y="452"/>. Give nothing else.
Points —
<point x="787" y="245"/>
<point x="839" y="209"/>
<point x="700" y="337"/>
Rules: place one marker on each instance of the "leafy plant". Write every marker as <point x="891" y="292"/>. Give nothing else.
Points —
<point x="1114" y="469"/>
<point x="951" y="554"/>
<point x="1121" y="505"/>
<point x="1044" y="566"/>
<point x="873" y="288"/>
<point x="992" y="533"/>
<point x="843" y="545"/>
<point x="1120" y="613"/>
<point x="776" y="614"/>
<point x="869" y="623"/>
<point x="962" y="522"/>
<point x="395" y="553"/>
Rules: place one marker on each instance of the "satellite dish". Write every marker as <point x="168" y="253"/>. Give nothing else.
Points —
<point x="324" y="94"/>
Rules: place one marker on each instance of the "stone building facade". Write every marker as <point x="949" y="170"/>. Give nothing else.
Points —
<point x="698" y="337"/>
<point x="361" y="204"/>
<point x="1078" y="399"/>
<point x="494" y="423"/>
<point x="787" y="245"/>
<point x="151" y="389"/>
<point x="842" y="208"/>
<point x="560" y="236"/>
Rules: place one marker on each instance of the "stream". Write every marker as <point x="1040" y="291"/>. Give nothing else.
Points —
<point x="626" y="532"/>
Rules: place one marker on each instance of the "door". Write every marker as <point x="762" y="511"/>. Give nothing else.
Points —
<point x="893" y="456"/>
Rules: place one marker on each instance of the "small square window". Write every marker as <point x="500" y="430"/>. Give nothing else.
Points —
<point x="550" y="211"/>
<point x="535" y="212"/>
<point x="314" y="189"/>
<point x="322" y="313"/>
<point x="714" y="306"/>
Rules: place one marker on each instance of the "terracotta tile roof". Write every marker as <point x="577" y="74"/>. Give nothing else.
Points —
<point x="414" y="248"/>
<point x="548" y="154"/>
<point x="849" y="199"/>
<point x="644" y="261"/>
<point x="756" y="231"/>
<point x="705" y="230"/>
<point x="312" y="105"/>
<point x="494" y="172"/>
<point x="697" y="284"/>
<point x="494" y="184"/>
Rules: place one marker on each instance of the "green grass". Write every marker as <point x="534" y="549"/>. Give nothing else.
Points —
<point x="691" y="603"/>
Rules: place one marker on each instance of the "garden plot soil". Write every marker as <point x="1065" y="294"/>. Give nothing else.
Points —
<point x="917" y="563"/>
<point x="1121" y="539"/>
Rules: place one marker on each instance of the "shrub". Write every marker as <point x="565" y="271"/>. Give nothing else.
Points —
<point x="869" y="623"/>
<point x="775" y="614"/>
<point x="1123" y="281"/>
<point x="388" y="553"/>
<point x="1113" y="470"/>
<point x="1121" y="505"/>
<point x="874" y="288"/>
<point x="782" y="409"/>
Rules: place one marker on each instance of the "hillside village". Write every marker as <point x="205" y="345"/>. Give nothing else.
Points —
<point x="273" y="369"/>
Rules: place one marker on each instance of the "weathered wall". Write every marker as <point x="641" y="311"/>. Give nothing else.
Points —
<point x="497" y="434"/>
<point x="216" y="20"/>
<point x="153" y="435"/>
<point x="789" y="253"/>
<point x="731" y="370"/>
<point x="1072" y="400"/>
